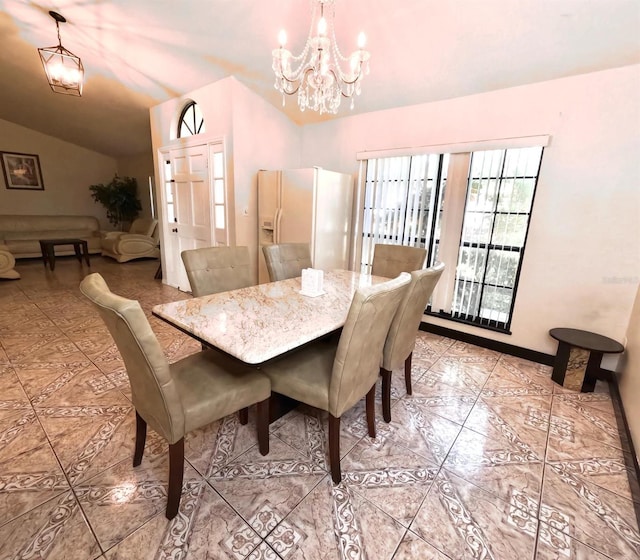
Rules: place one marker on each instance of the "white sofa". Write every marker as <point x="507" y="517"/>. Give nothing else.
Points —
<point x="21" y="234"/>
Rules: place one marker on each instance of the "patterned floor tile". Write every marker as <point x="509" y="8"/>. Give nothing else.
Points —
<point x="507" y="468"/>
<point x="264" y="489"/>
<point x="122" y="499"/>
<point x="56" y="530"/>
<point x="333" y="523"/>
<point x="388" y="475"/>
<point x="415" y="427"/>
<point x="413" y="547"/>
<point x="604" y="465"/>
<point x="556" y="545"/>
<point x="89" y="439"/>
<point x="464" y="521"/>
<point x="526" y="429"/>
<point x="205" y="527"/>
<point x="28" y="480"/>
<point x="19" y="432"/>
<point x="68" y="384"/>
<point x="12" y="394"/>
<point x="588" y="422"/>
<point x="594" y="516"/>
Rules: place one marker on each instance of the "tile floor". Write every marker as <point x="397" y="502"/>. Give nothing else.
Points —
<point x="488" y="459"/>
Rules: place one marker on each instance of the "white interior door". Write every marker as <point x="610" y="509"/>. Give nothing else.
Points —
<point x="188" y="209"/>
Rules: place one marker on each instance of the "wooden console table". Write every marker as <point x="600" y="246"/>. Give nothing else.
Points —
<point x="47" y="246"/>
<point x="572" y="344"/>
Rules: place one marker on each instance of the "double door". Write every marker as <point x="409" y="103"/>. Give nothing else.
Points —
<point x="194" y="206"/>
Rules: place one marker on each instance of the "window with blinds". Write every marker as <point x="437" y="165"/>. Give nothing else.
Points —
<point x="405" y="204"/>
<point x="401" y="202"/>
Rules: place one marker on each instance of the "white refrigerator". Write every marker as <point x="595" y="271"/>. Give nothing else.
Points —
<point x="306" y="206"/>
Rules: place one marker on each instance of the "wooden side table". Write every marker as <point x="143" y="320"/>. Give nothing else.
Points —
<point x="47" y="246"/>
<point x="573" y="345"/>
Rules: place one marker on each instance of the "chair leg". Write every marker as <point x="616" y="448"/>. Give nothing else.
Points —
<point x="386" y="394"/>
<point x="141" y="438"/>
<point x="334" y="448"/>
<point x="262" y="422"/>
<point x="243" y="415"/>
<point x="176" y="472"/>
<point x="371" y="411"/>
<point x="407" y="374"/>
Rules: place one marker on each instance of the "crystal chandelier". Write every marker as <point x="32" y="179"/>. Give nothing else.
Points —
<point x="64" y="69"/>
<point x="316" y="74"/>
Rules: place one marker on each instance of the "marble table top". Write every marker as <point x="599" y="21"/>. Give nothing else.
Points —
<point x="261" y="322"/>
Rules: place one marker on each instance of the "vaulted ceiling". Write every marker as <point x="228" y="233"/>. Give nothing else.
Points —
<point x="138" y="53"/>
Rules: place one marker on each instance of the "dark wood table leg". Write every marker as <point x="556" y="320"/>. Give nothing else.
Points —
<point x="279" y="405"/>
<point x="43" y="250"/>
<point x="52" y="256"/>
<point x="85" y="250"/>
<point x="561" y="362"/>
<point x="591" y="374"/>
<point x="77" y="250"/>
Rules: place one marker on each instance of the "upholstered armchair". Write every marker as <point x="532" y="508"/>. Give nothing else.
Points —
<point x="140" y="241"/>
<point x="7" y="262"/>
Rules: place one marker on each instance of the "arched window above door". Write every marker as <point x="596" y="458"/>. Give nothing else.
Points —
<point x="191" y="121"/>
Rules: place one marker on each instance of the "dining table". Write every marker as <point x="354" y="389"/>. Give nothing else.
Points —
<point x="258" y="323"/>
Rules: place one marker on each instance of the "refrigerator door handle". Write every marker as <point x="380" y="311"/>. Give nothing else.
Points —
<point x="276" y="226"/>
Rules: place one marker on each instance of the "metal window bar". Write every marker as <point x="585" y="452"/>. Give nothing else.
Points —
<point x="505" y="210"/>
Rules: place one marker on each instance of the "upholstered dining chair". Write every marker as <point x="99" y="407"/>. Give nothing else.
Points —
<point x="335" y="377"/>
<point x="401" y="340"/>
<point x="211" y="270"/>
<point x="391" y="260"/>
<point x="177" y="398"/>
<point x="286" y="260"/>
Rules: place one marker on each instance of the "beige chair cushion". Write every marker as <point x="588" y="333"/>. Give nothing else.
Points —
<point x="211" y="270"/>
<point x="186" y="395"/>
<point x="391" y="260"/>
<point x="335" y="378"/>
<point x="286" y="260"/>
<point x="402" y="333"/>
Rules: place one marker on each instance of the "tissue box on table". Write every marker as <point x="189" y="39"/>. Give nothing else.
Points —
<point x="312" y="281"/>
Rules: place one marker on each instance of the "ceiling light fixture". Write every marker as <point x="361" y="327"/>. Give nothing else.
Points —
<point x="319" y="79"/>
<point x="64" y="69"/>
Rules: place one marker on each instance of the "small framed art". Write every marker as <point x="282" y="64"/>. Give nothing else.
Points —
<point x="22" y="171"/>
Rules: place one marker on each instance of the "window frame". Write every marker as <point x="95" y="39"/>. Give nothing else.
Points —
<point x="431" y="243"/>
<point x="198" y="127"/>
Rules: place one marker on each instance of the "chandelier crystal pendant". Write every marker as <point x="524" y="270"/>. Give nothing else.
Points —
<point x="64" y="69"/>
<point x="317" y="74"/>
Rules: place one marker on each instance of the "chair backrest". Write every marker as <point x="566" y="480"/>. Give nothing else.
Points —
<point x="402" y="333"/>
<point x="286" y="260"/>
<point x="211" y="270"/>
<point x="144" y="226"/>
<point x="153" y="390"/>
<point x="391" y="260"/>
<point x="357" y="363"/>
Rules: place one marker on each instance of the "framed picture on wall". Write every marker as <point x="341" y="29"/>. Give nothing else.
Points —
<point x="22" y="171"/>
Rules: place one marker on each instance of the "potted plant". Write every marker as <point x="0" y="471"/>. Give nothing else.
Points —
<point x="120" y="198"/>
